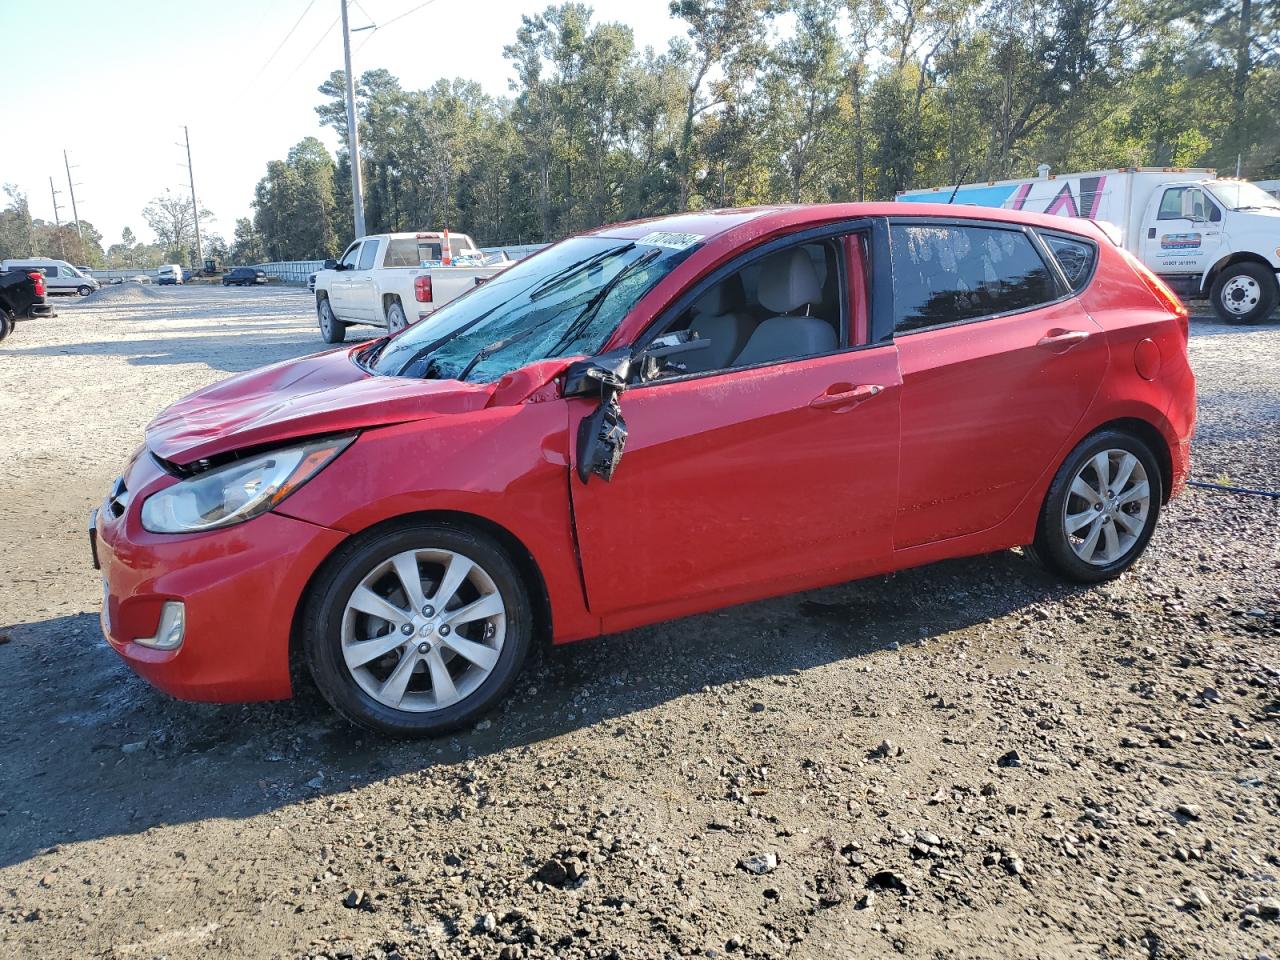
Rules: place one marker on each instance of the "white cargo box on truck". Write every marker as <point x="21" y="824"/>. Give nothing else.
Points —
<point x="1202" y="235"/>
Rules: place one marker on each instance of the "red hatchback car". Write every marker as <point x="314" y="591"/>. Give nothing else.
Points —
<point x="643" y="422"/>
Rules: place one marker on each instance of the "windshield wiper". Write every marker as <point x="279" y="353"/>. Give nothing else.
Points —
<point x="583" y="320"/>
<point x="1252" y="206"/>
<point x="573" y="269"/>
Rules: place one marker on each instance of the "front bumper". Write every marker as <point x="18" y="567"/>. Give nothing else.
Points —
<point x="239" y="589"/>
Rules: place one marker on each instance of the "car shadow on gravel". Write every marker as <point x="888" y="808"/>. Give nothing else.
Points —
<point x="91" y="751"/>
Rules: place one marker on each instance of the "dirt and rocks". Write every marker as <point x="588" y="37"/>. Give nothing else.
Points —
<point x="967" y="760"/>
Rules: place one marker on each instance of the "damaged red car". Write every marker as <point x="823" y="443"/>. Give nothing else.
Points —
<point x="644" y="422"/>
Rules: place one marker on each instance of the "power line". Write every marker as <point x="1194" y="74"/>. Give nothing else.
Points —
<point x="280" y="46"/>
<point x="405" y="14"/>
<point x="324" y="36"/>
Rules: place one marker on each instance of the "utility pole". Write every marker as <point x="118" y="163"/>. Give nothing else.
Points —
<point x="353" y="132"/>
<point x="195" y="208"/>
<point x="72" y="187"/>
<point x="57" y="221"/>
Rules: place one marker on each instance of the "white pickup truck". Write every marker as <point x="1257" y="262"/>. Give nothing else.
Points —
<point x="391" y="280"/>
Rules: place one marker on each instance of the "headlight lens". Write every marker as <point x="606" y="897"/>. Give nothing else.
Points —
<point x="238" y="491"/>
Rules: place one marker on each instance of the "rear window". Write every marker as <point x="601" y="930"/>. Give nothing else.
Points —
<point x="1075" y="257"/>
<point x="946" y="274"/>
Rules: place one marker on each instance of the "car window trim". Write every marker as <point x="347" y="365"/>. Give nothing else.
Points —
<point x="700" y="285"/>
<point x="1042" y="252"/>
<point x="1041" y="232"/>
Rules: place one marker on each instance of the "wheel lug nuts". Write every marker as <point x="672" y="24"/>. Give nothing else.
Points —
<point x="424" y="648"/>
<point x="406" y="628"/>
<point x="428" y="611"/>
<point x="444" y="630"/>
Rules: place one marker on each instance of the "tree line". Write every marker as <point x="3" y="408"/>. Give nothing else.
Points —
<point x="785" y="101"/>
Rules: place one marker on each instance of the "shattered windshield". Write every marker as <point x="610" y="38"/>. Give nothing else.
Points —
<point x="560" y="303"/>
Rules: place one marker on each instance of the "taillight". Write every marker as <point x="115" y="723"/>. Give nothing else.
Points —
<point x="38" y="277"/>
<point x="422" y="289"/>
<point x="1164" y="296"/>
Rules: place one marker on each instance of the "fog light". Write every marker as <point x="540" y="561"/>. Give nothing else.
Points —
<point x="172" y="628"/>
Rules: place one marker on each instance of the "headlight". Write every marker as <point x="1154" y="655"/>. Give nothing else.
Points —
<point x="238" y="491"/>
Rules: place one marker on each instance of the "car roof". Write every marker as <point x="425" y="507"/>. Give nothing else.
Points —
<point x="759" y="221"/>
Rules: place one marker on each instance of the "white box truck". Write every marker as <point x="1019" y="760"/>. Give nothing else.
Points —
<point x="1203" y="235"/>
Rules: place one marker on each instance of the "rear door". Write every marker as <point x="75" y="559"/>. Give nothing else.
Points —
<point x="747" y="481"/>
<point x="999" y="363"/>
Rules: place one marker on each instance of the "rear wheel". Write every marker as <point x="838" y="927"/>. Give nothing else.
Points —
<point x="1101" y="508"/>
<point x="332" y="329"/>
<point x="396" y="320"/>
<point x="1244" y="293"/>
<point x="6" y="324"/>
<point x="418" y="630"/>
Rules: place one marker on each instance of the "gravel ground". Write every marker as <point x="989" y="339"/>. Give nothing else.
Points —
<point x="967" y="760"/>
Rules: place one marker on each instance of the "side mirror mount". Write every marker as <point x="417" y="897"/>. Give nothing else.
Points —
<point x="1192" y="205"/>
<point x="654" y="358"/>
<point x="602" y="434"/>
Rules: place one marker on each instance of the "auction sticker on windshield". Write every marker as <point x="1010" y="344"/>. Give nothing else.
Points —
<point x="675" y="241"/>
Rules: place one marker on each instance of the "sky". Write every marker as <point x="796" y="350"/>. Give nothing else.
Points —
<point x="113" y="82"/>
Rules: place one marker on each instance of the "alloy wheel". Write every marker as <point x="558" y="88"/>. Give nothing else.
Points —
<point x="1106" y="510"/>
<point x="423" y="630"/>
<point x="1241" y="294"/>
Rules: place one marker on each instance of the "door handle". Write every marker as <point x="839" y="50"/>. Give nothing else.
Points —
<point x="1062" y="338"/>
<point x="845" y="397"/>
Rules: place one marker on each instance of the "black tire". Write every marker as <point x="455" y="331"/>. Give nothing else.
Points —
<point x="83" y="290"/>
<point x="226" y="283"/>
<point x="6" y="324"/>
<point x="1053" y="545"/>
<point x="1244" y="293"/>
<point x="396" y="319"/>
<point x="332" y="330"/>
<point x="327" y="600"/>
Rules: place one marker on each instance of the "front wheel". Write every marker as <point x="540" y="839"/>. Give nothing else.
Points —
<point x="1244" y="293"/>
<point x="6" y="324"/>
<point x="419" y="630"/>
<point x="332" y="329"/>
<point x="84" y="290"/>
<point x="396" y="320"/>
<point x="1101" y="508"/>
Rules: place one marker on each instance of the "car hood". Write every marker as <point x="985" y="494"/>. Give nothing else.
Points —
<point x="319" y="394"/>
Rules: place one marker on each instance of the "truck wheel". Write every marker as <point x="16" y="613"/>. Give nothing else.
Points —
<point x="6" y="324"/>
<point x="84" y="291"/>
<point x="332" y="329"/>
<point x="396" y="320"/>
<point x="1244" y="293"/>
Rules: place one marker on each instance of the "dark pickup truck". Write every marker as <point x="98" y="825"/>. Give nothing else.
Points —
<point x="22" y="297"/>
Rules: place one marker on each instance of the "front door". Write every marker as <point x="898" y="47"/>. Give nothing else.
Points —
<point x="1183" y="233"/>
<point x="362" y="299"/>
<point x="997" y="370"/>
<point x="743" y="484"/>
<point x="340" y="285"/>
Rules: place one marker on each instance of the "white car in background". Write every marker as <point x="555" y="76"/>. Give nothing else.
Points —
<point x="392" y="280"/>
<point x="59" y="276"/>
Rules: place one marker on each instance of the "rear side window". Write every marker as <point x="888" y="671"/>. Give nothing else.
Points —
<point x="367" y="254"/>
<point x="1075" y="257"/>
<point x="950" y="274"/>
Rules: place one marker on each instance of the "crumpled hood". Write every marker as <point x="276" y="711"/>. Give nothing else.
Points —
<point x="320" y="394"/>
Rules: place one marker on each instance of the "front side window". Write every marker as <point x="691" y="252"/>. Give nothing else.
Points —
<point x="784" y="306"/>
<point x="563" y="302"/>
<point x="945" y="274"/>
<point x="1171" y="204"/>
<point x="349" y="258"/>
